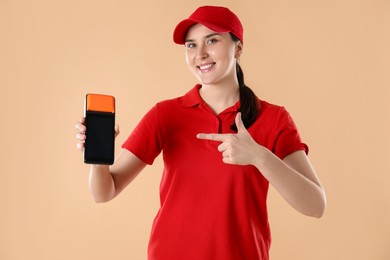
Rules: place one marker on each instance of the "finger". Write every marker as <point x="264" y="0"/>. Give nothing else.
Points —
<point x="240" y="125"/>
<point x="226" y="154"/>
<point x="227" y="160"/>
<point x="214" y="137"/>
<point x="117" y="130"/>
<point x="80" y="136"/>
<point x="81" y="127"/>
<point x="80" y="146"/>
<point x="222" y="147"/>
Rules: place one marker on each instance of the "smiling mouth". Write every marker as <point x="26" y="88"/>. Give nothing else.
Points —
<point x="205" y="67"/>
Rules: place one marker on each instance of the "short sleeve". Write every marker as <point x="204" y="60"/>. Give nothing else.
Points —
<point x="288" y="139"/>
<point x="145" y="141"/>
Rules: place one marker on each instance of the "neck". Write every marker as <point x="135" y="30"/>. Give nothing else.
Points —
<point x="220" y="97"/>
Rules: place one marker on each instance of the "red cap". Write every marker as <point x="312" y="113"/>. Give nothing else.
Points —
<point x="217" y="18"/>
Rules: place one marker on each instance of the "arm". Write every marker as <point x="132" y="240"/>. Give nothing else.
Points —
<point x="295" y="180"/>
<point x="293" y="177"/>
<point x="106" y="182"/>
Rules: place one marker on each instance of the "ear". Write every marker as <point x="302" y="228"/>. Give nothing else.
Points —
<point x="239" y="47"/>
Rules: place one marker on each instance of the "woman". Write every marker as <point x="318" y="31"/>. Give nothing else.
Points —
<point x="222" y="146"/>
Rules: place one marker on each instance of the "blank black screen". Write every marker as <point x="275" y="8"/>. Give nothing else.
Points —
<point x="100" y="135"/>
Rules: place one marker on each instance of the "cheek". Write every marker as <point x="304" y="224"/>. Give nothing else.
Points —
<point x="226" y="54"/>
<point x="189" y="63"/>
<point x="227" y="59"/>
<point x="231" y="53"/>
<point x="189" y="56"/>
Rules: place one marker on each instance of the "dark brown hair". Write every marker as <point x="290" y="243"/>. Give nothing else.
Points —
<point x="249" y="103"/>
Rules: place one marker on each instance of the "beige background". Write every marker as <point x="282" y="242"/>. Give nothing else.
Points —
<point x="327" y="61"/>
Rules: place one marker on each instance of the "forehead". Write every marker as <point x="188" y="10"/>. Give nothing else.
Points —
<point x="199" y="31"/>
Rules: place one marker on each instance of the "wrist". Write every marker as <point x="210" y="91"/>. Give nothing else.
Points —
<point x="99" y="168"/>
<point x="260" y="156"/>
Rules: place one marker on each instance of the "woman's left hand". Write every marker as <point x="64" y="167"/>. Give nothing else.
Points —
<point x="293" y="177"/>
<point x="239" y="148"/>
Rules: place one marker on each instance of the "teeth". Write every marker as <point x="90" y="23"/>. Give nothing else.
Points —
<point x="204" y="67"/>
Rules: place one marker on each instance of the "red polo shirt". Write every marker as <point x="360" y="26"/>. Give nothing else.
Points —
<point x="209" y="210"/>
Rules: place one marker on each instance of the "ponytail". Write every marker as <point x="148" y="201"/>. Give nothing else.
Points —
<point x="249" y="103"/>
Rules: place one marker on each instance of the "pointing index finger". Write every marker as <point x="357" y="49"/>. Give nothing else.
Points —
<point x="213" y="137"/>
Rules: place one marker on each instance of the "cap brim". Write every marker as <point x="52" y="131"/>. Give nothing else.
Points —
<point x="181" y="29"/>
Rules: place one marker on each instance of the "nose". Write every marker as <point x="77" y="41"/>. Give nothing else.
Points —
<point x="201" y="52"/>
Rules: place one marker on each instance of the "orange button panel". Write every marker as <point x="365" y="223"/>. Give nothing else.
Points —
<point x="100" y="103"/>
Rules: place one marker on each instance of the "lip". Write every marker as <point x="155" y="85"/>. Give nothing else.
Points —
<point x="205" y="67"/>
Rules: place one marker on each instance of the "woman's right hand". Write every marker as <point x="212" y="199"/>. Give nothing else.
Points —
<point x="80" y="136"/>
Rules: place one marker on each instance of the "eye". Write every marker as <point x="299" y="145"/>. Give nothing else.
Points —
<point x="211" y="41"/>
<point x="190" y="45"/>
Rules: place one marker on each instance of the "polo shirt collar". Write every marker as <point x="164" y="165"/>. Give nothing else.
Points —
<point x="192" y="98"/>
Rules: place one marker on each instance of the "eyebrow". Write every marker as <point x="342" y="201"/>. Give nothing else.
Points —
<point x="207" y="36"/>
